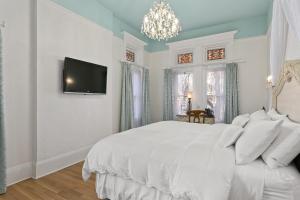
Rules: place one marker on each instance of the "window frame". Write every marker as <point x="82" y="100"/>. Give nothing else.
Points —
<point x="137" y="119"/>
<point x="183" y="96"/>
<point x="216" y="69"/>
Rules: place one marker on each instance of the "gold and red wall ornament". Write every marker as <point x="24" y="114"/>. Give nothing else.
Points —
<point x="216" y="54"/>
<point x="130" y="56"/>
<point x="185" y="58"/>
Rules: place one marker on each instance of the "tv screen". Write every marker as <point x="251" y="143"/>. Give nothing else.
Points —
<point x="84" y="77"/>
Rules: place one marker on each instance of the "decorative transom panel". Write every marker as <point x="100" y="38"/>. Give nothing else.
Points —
<point x="130" y="56"/>
<point x="185" y="58"/>
<point x="216" y="54"/>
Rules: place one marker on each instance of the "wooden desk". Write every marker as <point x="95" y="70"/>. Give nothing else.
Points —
<point x="196" y="116"/>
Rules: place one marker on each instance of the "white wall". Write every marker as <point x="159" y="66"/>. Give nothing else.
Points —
<point x="252" y="73"/>
<point x="18" y="93"/>
<point x="293" y="47"/>
<point x="68" y="124"/>
<point x="158" y="61"/>
<point x="45" y="129"/>
<point x="118" y="54"/>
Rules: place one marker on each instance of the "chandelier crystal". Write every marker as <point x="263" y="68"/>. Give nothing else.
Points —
<point x="161" y="23"/>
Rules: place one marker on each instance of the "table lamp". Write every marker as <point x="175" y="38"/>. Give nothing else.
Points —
<point x="189" y="96"/>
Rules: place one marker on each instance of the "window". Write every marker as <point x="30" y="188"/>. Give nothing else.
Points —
<point x="185" y="58"/>
<point x="130" y="56"/>
<point x="183" y="85"/>
<point x="208" y="87"/>
<point x="137" y="96"/>
<point x="215" y="92"/>
<point x="216" y="54"/>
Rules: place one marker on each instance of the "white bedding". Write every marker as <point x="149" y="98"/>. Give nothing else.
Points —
<point x="179" y="159"/>
<point x="282" y="184"/>
<point x="278" y="184"/>
<point x="182" y="161"/>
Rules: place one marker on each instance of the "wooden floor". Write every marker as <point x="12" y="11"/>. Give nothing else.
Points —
<point x="66" y="184"/>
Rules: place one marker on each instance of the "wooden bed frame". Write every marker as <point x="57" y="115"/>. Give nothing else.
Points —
<point x="286" y="94"/>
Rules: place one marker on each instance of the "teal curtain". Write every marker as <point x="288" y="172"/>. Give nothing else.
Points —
<point x="127" y="98"/>
<point x="232" y="96"/>
<point x="2" y="144"/>
<point x="146" y="97"/>
<point x="168" y="95"/>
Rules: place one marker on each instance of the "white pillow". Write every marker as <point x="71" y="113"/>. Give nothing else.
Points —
<point x="287" y="130"/>
<point x="256" y="139"/>
<point x="230" y="135"/>
<point x="288" y="150"/>
<point x="259" y="115"/>
<point x="275" y="115"/>
<point x="241" y="120"/>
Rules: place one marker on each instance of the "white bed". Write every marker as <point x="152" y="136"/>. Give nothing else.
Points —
<point x="183" y="161"/>
<point x="150" y="163"/>
<point x="176" y="158"/>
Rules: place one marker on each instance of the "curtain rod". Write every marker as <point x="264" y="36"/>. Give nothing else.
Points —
<point x="204" y="64"/>
<point x="134" y="64"/>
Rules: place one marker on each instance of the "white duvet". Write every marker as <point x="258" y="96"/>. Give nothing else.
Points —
<point x="176" y="158"/>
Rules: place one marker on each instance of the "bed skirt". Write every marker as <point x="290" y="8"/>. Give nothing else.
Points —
<point x="116" y="188"/>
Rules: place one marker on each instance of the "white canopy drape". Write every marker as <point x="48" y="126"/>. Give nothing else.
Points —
<point x="286" y="16"/>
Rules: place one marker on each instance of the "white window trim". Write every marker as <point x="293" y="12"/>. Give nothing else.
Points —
<point x="136" y="45"/>
<point x="199" y="45"/>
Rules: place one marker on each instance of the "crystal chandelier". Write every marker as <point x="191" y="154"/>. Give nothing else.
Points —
<point x="161" y="23"/>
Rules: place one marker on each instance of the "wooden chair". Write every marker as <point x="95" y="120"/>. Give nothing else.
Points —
<point x="197" y="115"/>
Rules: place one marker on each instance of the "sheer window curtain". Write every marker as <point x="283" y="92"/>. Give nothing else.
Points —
<point x="2" y="143"/>
<point x="137" y="96"/>
<point x="231" y="97"/>
<point x="141" y="96"/>
<point x="286" y="13"/>
<point x="182" y="84"/>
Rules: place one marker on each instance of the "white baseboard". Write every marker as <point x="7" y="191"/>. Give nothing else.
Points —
<point x="19" y="173"/>
<point x="59" y="162"/>
<point x="26" y="170"/>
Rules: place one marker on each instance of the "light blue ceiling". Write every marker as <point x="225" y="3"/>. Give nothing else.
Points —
<point x="198" y="17"/>
<point x="193" y="14"/>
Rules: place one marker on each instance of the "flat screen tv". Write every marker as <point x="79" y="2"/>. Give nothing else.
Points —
<point x="84" y="77"/>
